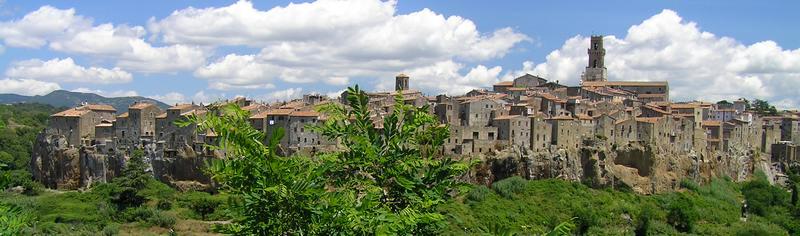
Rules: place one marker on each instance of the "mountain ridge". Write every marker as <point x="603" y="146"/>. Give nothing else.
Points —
<point x="63" y="98"/>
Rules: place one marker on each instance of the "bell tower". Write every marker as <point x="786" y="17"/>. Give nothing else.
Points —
<point x="596" y="69"/>
<point x="401" y="82"/>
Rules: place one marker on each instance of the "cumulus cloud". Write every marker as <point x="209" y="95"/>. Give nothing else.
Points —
<point x="65" y="70"/>
<point x="282" y="95"/>
<point x="65" y="31"/>
<point x="115" y="93"/>
<point x="329" y="41"/>
<point x="697" y="64"/>
<point x="170" y="98"/>
<point x="27" y="87"/>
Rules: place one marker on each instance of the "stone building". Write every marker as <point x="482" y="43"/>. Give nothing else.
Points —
<point x="77" y="125"/>
<point x="515" y="129"/>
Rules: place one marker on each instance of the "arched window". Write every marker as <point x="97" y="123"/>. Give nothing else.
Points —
<point x="594" y="64"/>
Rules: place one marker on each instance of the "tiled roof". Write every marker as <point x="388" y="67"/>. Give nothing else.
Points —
<point x="74" y="112"/>
<point x="305" y="114"/>
<point x="161" y="116"/>
<point x="506" y="117"/>
<point x="140" y="105"/>
<point x="505" y="83"/>
<point x="651" y="120"/>
<point x="711" y="123"/>
<point x="181" y="106"/>
<point x="99" y="107"/>
<point x="123" y="115"/>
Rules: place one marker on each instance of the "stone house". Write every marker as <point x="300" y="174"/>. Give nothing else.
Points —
<point x="77" y="125"/>
<point x="515" y="129"/>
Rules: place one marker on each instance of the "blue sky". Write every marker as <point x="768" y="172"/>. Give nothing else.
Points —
<point x="706" y="49"/>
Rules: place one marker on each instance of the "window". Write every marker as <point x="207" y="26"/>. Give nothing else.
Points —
<point x="474" y="135"/>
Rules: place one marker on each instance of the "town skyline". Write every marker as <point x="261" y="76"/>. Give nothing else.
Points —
<point x="158" y="55"/>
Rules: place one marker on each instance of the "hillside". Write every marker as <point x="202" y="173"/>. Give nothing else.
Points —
<point x="63" y="98"/>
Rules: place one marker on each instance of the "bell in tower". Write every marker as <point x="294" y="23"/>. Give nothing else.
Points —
<point x="596" y="69"/>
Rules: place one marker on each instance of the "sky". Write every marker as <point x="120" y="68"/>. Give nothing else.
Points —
<point x="201" y="51"/>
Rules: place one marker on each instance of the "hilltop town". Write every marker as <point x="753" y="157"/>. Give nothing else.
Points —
<point x="601" y="132"/>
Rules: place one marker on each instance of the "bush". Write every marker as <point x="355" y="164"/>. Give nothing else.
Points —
<point x="682" y="214"/>
<point x="761" y="196"/>
<point x="164" y="205"/>
<point x="140" y="214"/>
<point x="689" y="184"/>
<point x="202" y="204"/>
<point x="478" y="193"/>
<point x="111" y="229"/>
<point x="510" y="186"/>
<point x="161" y="219"/>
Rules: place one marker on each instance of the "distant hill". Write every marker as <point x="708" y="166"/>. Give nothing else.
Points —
<point x="63" y="98"/>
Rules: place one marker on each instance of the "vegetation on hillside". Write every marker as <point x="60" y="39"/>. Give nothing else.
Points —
<point x="19" y="125"/>
<point x="520" y="206"/>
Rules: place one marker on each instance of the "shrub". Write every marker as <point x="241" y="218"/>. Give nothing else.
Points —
<point x="478" y="193"/>
<point x="111" y="229"/>
<point x="138" y="214"/>
<point x="760" y="196"/>
<point x="690" y="185"/>
<point x="164" y="205"/>
<point x="682" y="214"/>
<point x="161" y="219"/>
<point x="202" y="204"/>
<point x="509" y="186"/>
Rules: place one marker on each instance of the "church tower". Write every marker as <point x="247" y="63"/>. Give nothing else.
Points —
<point x="401" y="82"/>
<point x="596" y="69"/>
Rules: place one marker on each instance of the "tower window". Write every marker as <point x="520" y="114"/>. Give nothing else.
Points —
<point x="595" y="46"/>
<point x="594" y="64"/>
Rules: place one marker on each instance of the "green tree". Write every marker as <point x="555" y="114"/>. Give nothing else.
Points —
<point x="383" y="181"/>
<point x="763" y="107"/>
<point x="125" y="190"/>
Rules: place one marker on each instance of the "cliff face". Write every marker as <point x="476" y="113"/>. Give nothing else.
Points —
<point x="644" y="168"/>
<point x="58" y="166"/>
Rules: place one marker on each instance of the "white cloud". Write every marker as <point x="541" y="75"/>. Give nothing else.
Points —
<point x="697" y="64"/>
<point x="444" y="77"/>
<point x="115" y="93"/>
<point x="64" y="31"/>
<point x="27" y="87"/>
<point x="282" y="95"/>
<point x="170" y="98"/>
<point x="329" y="41"/>
<point x="65" y="70"/>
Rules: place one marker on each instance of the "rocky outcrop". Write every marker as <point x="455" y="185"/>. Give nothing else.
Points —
<point x="643" y="168"/>
<point x="59" y="166"/>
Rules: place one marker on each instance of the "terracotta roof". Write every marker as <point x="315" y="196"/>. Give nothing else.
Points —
<point x="140" y="105"/>
<point x="583" y="117"/>
<point x="624" y="83"/>
<point x="123" y="115"/>
<point x="683" y="105"/>
<point x="161" y="116"/>
<point x="74" y="112"/>
<point x="505" y="83"/>
<point x="194" y="112"/>
<point x="517" y="89"/>
<point x="260" y="115"/>
<point x="506" y="117"/>
<point x="711" y="123"/>
<point x="181" y="106"/>
<point x="305" y="113"/>
<point x="99" y="107"/>
<point x="279" y="112"/>
<point x="104" y="125"/>
<point x="656" y="109"/>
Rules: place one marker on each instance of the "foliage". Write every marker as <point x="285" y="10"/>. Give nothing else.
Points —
<point x="19" y="125"/>
<point x="126" y="190"/>
<point x="202" y="204"/>
<point x="724" y="102"/>
<point x="478" y="193"/>
<point x="510" y="186"/>
<point x="762" y="107"/>
<point x="689" y="184"/>
<point x="386" y="181"/>
<point x="12" y="219"/>
<point x="761" y="196"/>
<point x="713" y="209"/>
